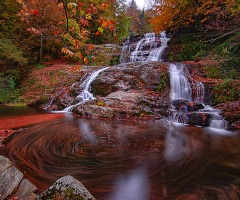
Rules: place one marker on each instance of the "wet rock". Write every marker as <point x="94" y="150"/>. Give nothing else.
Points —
<point x="67" y="187"/>
<point x="25" y="191"/>
<point x="199" y="119"/>
<point x="98" y="111"/>
<point x="9" y="179"/>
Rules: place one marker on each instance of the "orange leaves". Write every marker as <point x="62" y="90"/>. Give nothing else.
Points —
<point x="105" y="24"/>
<point x="84" y="22"/>
<point x="104" y="6"/>
<point x="67" y="51"/>
<point x="90" y="47"/>
<point x="85" y="60"/>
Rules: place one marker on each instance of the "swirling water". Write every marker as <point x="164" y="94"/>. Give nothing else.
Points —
<point x="128" y="160"/>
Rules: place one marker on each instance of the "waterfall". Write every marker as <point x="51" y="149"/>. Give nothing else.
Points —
<point x="147" y="49"/>
<point x="181" y="90"/>
<point x="156" y="54"/>
<point x="86" y="95"/>
<point x="180" y="87"/>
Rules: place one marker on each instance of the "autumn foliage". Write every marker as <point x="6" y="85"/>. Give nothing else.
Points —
<point x="212" y="15"/>
<point x="67" y="21"/>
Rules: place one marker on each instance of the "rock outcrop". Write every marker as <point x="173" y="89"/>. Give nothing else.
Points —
<point x="12" y="182"/>
<point x="133" y="90"/>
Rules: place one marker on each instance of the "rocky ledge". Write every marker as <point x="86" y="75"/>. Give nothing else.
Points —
<point x="134" y="90"/>
<point x="15" y="186"/>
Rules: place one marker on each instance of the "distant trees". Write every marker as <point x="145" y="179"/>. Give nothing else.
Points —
<point x="221" y="15"/>
<point x="140" y="20"/>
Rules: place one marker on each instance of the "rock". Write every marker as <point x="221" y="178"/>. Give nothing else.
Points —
<point x="67" y="187"/>
<point x="9" y="179"/>
<point x="147" y="73"/>
<point x="120" y="95"/>
<point x="25" y="191"/>
<point x="4" y="164"/>
<point x="98" y="111"/>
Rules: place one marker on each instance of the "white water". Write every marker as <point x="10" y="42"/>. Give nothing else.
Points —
<point x="181" y="90"/>
<point x="180" y="87"/>
<point x="86" y="95"/>
<point x="149" y="42"/>
<point x="156" y="54"/>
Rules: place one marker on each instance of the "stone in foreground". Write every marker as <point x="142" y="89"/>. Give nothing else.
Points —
<point x="66" y="187"/>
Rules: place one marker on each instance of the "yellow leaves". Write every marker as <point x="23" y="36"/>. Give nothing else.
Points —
<point x="60" y="5"/>
<point x="85" y="60"/>
<point x="19" y="1"/>
<point x="88" y="16"/>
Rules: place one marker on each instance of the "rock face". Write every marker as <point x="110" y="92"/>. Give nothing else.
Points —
<point x="133" y="90"/>
<point x="12" y="182"/>
<point x="66" y="187"/>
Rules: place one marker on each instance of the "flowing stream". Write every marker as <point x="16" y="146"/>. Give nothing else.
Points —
<point x="86" y="95"/>
<point x="120" y="160"/>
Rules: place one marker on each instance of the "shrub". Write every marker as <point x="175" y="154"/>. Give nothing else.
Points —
<point x="10" y="55"/>
<point x="228" y="90"/>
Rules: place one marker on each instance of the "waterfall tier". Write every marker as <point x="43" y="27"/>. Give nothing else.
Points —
<point x="149" y="48"/>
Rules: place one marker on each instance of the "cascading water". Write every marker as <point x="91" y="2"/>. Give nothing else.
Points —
<point x="86" y="95"/>
<point x="156" y="54"/>
<point x="147" y="49"/>
<point x="184" y="89"/>
<point x="180" y="87"/>
<point x="181" y="90"/>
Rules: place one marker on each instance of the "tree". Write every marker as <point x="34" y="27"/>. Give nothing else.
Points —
<point x="209" y="15"/>
<point x="133" y="12"/>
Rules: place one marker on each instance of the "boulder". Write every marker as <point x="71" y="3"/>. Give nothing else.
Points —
<point x="67" y="187"/>
<point x="25" y="191"/>
<point x="9" y="179"/>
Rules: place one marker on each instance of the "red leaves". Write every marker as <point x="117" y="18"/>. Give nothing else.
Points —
<point x="111" y="28"/>
<point x="84" y="22"/>
<point x="115" y="36"/>
<point x="101" y="20"/>
<point x="77" y="44"/>
<point x="35" y="12"/>
<point x="56" y="33"/>
<point x="104" y="6"/>
<point x="80" y="4"/>
<point x="89" y="10"/>
<point x="97" y="33"/>
<point x="72" y="29"/>
<point x="112" y="22"/>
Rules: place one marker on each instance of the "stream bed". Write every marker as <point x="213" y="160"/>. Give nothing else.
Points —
<point x="129" y="160"/>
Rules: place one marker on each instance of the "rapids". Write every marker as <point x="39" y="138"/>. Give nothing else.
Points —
<point x="121" y="160"/>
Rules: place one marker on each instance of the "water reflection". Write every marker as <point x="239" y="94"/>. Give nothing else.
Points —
<point x="132" y="186"/>
<point x="125" y="160"/>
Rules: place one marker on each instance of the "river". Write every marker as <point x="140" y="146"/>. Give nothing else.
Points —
<point x="129" y="160"/>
